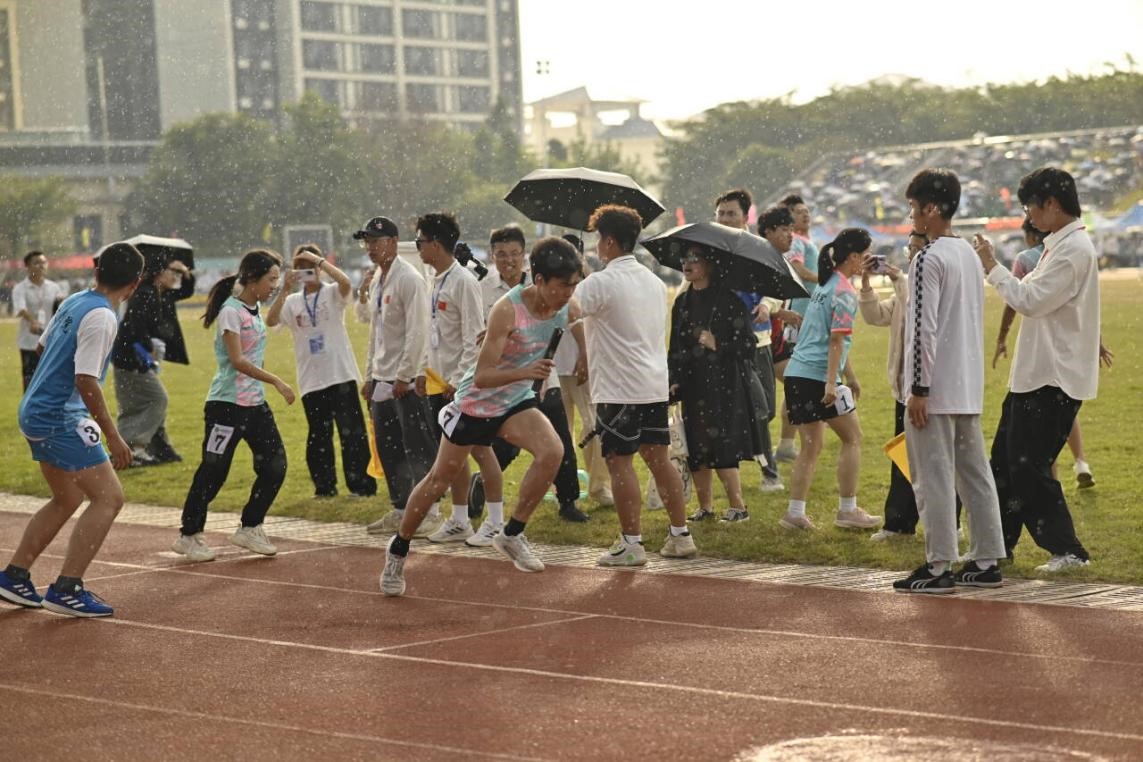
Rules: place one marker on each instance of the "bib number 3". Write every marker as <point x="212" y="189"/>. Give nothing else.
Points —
<point x="89" y="431"/>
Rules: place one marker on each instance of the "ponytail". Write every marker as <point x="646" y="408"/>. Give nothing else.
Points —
<point x="219" y="293"/>
<point x="849" y="241"/>
<point x="254" y="265"/>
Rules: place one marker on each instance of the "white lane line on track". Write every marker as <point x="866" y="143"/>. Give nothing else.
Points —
<point x="435" y="641"/>
<point x="257" y="723"/>
<point x="645" y="684"/>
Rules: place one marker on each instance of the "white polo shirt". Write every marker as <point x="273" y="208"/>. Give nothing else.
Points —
<point x="626" y="309"/>
<point x="37" y="300"/>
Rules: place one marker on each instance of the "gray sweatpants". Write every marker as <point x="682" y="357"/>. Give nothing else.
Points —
<point x="142" y="405"/>
<point x="947" y="458"/>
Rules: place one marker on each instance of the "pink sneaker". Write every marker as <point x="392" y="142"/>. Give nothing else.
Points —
<point x="856" y="519"/>
<point x="790" y="521"/>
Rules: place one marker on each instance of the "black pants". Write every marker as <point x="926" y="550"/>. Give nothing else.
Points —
<point x="228" y="424"/>
<point x="567" y="478"/>
<point x="765" y="364"/>
<point x="337" y="404"/>
<point x="1033" y="429"/>
<point x="405" y="444"/>
<point x="29" y="359"/>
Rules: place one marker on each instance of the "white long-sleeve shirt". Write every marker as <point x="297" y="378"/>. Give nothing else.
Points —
<point x="456" y="318"/>
<point x="944" y="328"/>
<point x="398" y="328"/>
<point x="1058" y="343"/>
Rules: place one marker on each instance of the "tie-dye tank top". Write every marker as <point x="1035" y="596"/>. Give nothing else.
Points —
<point x="525" y="345"/>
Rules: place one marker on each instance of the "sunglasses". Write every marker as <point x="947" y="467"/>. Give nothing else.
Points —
<point x="419" y="242"/>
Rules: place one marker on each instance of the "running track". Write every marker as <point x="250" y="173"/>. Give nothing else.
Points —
<point x="300" y="657"/>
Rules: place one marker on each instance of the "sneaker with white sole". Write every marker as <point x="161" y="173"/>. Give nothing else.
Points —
<point x="922" y="580"/>
<point x="971" y="575"/>
<point x="482" y="538"/>
<point x="884" y="535"/>
<point x="390" y="523"/>
<point x="772" y="484"/>
<point x="1060" y="563"/>
<point x="679" y="546"/>
<point x="452" y="531"/>
<point x="253" y="539"/>
<point x="516" y="548"/>
<point x="790" y="521"/>
<point x="81" y="603"/>
<point x="624" y="553"/>
<point x="194" y="547"/>
<point x="1084" y="479"/>
<point x="393" y="575"/>
<point x="787" y="454"/>
<point x="429" y="525"/>
<point x="732" y="515"/>
<point x="20" y="592"/>
<point x="856" y="519"/>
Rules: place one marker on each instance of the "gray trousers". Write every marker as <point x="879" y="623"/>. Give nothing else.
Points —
<point x="947" y="458"/>
<point x="142" y="405"/>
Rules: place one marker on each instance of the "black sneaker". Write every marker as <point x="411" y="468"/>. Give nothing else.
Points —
<point x="476" y="496"/>
<point x="924" y="581"/>
<point x="569" y="512"/>
<point x="971" y="575"/>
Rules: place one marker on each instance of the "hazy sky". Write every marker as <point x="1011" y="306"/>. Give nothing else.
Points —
<point x="683" y="56"/>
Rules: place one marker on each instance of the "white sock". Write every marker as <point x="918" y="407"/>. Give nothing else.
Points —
<point x="797" y="508"/>
<point x="435" y="510"/>
<point x="786" y="444"/>
<point x="679" y="531"/>
<point x="460" y="513"/>
<point x="938" y="568"/>
<point x="632" y="539"/>
<point x="985" y="563"/>
<point x="495" y="512"/>
<point x="847" y="503"/>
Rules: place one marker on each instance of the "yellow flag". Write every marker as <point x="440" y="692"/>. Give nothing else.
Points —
<point x="268" y="233"/>
<point x="434" y="384"/>
<point x="895" y="449"/>
<point x="374" y="468"/>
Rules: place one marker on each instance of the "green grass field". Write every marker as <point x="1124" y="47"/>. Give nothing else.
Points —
<point x="1107" y="517"/>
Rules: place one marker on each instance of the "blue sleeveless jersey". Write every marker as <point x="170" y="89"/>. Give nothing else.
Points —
<point x="52" y="403"/>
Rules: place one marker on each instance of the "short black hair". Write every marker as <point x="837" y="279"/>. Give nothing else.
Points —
<point x="31" y="255"/>
<point x="774" y="217"/>
<point x="620" y="222"/>
<point x="574" y="240"/>
<point x="1044" y="183"/>
<point x="741" y="195"/>
<point x="553" y="257"/>
<point x="507" y="234"/>
<point x="441" y="227"/>
<point x="791" y="200"/>
<point x="936" y="186"/>
<point x="118" y="265"/>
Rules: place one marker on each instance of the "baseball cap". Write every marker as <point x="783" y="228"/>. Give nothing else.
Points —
<point x="378" y="227"/>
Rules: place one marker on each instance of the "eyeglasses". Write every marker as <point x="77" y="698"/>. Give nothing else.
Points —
<point x="421" y="242"/>
<point x="177" y="271"/>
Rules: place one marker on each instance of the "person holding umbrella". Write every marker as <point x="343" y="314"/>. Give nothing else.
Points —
<point x="711" y="365"/>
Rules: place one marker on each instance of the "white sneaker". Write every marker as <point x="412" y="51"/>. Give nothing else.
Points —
<point x="253" y="539"/>
<point x="887" y="534"/>
<point x="429" y="525"/>
<point x="393" y="575"/>
<point x="785" y="453"/>
<point x="517" y="550"/>
<point x="1060" y="563"/>
<point x="772" y="484"/>
<point x="452" y="531"/>
<point x="856" y="519"/>
<point x="623" y="553"/>
<point x="387" y="524"/>
<point x="679" y="546"/>
<point x="1084" y="479"/>
<point x="603" y="497"/>
<point x="194" y="547"/>
<point x="483" y="537"/>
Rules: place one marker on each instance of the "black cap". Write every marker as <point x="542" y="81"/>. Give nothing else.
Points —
<point x="378" y="227"/>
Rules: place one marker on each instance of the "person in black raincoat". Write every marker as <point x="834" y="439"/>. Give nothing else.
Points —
<point x="712" y="373"/>
<point x="149" y="334"/>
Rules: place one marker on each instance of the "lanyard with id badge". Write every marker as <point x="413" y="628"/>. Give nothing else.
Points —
<point x="317" y="341"/>
<point x="434" y="327"/>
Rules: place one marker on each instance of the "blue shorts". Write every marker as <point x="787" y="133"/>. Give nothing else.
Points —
<point x="73" y="449"/>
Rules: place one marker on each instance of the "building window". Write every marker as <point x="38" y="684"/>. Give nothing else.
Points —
<point x="471" y="63"/>
<point x="473" y="100"/>
<point x="326" y="88"/>
<point x="319" y="55"/>
<point x="374" y="21"/>
<point x="424" y="62"/>
<point x="377" y="96"/>
<point x="377" y="59"/>
<point x="319" y="17"/>
<point x="471" y="27"/>
<point x="7" y="107"/>
<point x="418" y="24"/>
<point x="422" y="99"/>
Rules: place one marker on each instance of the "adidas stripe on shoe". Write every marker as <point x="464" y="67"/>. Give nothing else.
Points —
<point x="971" y="575"/>
<point x="922" y="580"/>
<point x="81" y="603"/>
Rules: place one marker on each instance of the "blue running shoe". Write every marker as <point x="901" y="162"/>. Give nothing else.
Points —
<point x="20" y="593"/>
<point x="82" y="603"/>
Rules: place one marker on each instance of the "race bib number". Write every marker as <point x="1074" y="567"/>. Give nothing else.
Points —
<point x="89" y="431"/>
<point x="317" y="344"/>
<point x="844" y="402"/>
<point x="219" y="438"/>
<point x="448" y="418"/>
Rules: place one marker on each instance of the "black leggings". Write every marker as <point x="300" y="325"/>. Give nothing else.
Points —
<point x="226" y="425"/>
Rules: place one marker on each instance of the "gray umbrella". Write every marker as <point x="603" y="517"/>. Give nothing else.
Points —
<point x="745" y="262"/>
<point x="567" y="197"/>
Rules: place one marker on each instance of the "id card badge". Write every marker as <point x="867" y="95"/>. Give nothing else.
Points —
<point x="790" y="333"/>
<point x="434" y="335"/>
<point x="844" y="402"/>
<point x="317" y="344"/>
<point x="89" y="431"/>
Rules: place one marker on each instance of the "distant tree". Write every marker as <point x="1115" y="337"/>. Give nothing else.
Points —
<point x="29" y="205"/>
<point x="761" y="169"/>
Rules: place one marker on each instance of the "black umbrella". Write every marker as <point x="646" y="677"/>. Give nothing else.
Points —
<point x="745" y="261"/>
<point x="567" y="197"/>
<point x="157" y="252"/>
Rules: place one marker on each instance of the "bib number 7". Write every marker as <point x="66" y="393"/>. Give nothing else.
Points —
<point x="219" y="438"/>
<point x="448" y="418"/>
